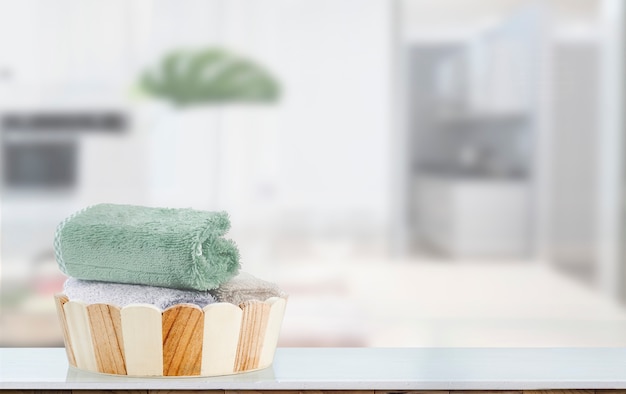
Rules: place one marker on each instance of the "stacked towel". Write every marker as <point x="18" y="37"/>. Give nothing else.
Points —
<point x="246" y="287"/>
<point x="175" y="248"/>
<point x="126" y="254"/>
<point x="119" y="294"/>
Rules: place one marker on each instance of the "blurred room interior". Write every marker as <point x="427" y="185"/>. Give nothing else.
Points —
<point x="432" y="173"/>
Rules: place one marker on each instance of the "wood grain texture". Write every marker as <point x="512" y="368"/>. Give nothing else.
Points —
<point x="319" y="392"/>
<point x="60" y="300"/>
<point x="36" y="391"/>
<point x="222" y="325"/>
<point x="109" y="391"/>
<point x="272" y="331"/>
<point x="106" y="331"/>
<point x="414" y="392"/>
<point x="269" y="392"/>
<point x="606" y="391"/>
<point x="559" y="392"/>
<point x="251" y="337"/>
<point x="616" y="391"/>
<point x="486" y="391"/>
<point x="143" y="340"/>
<point x="80" y="335"/>
<point x="183" y="326"/>
<point x="185" y="392"/>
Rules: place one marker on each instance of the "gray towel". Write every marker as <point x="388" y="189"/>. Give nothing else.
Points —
<point x="246" y="287"/>
<point x="92" y="292"/>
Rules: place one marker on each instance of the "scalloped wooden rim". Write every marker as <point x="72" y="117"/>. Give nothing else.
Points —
<point x="181" y="340"/>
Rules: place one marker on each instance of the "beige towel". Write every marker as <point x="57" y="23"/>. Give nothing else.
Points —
<point x="246" y="287"/>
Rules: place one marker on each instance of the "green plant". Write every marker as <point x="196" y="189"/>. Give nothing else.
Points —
<point x="210" y="75"/>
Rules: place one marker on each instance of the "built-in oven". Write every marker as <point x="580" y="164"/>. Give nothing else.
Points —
<point x="40" y="151"/>
<point x="44" y="168"/>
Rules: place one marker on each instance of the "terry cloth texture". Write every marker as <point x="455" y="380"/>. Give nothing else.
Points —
<point x="246" y="287"/>
<point x="92" y="292"/>
<point x="165" y="247"/>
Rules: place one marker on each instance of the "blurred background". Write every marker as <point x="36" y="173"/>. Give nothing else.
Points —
<point x="411" y="172"/>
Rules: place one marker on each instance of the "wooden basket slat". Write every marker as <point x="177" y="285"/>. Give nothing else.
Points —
<point x="183" y="326"/>
<point x="143" y="342"/>
<point x="80" y="335"/>
<point x="222" y="324"/>
<point x="254" y="321"/>
<point x="106" y="330"/>
<point x="60" y="300"/>
<point x="183" y="340"/>
<point x="272" y="330"/>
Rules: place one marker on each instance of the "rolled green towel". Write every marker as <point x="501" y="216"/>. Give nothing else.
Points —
<point x="177" y="248"/>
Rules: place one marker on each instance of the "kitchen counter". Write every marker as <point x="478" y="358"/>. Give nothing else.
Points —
<point x="386" y="369"/>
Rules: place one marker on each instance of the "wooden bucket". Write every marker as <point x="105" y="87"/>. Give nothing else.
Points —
<point x="183" y="340"/>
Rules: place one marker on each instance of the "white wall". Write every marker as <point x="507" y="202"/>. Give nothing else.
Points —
<point x="335" y="124"/>
<point x="319" y="158"/>
<point x="320" y="155"/>
<point x="574" y="158"/>
<point x="323" y="151"/>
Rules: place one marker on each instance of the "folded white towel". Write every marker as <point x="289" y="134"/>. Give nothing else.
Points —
<point x="93" y="292"/>
<point x="246" y="287"/>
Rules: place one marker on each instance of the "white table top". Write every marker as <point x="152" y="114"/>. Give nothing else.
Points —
<point x="351" y="369"/>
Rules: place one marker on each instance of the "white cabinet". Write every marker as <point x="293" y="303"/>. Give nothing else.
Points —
<point x="474" y="217"/>
<point x="490" y="74"/>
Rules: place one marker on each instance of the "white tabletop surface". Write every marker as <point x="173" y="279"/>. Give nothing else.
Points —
<point x="352" y="369"/>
